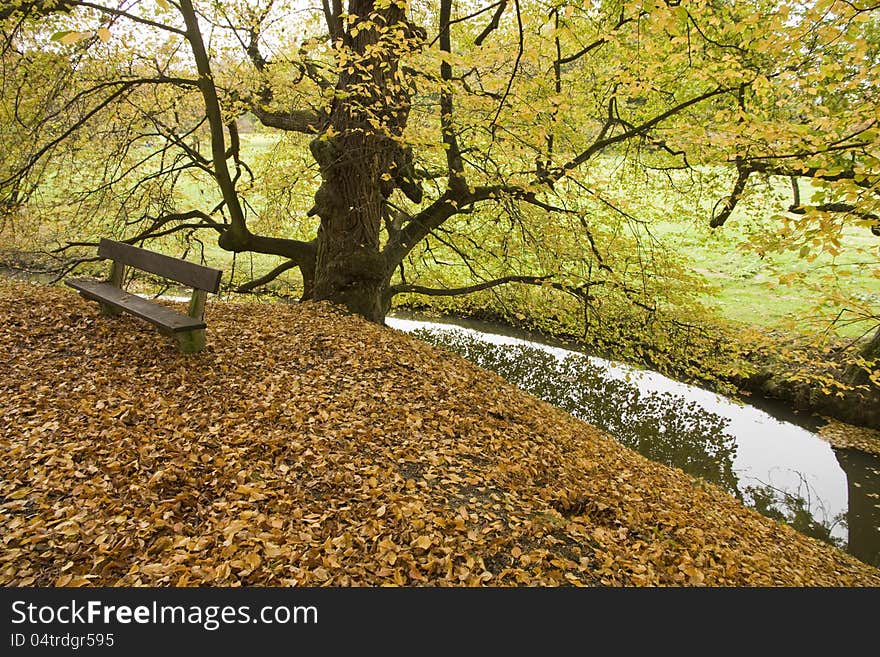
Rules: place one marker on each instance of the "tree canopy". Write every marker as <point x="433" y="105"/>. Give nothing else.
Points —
<point x="444" y="148"/>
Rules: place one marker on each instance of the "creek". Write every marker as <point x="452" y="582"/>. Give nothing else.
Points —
<point x="770" y="459"/>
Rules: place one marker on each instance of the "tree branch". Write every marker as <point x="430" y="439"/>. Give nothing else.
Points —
<point x="837" y="207"/>
<point x="36" y="8"/>
<point x="493" y="24"/>
<point x="333" y="18"/>
<point x="35" y="157"/>
<point x="267" y="278"/>
<point x="304" y="121"/>
<point x="742" y="177"/>
<point x="456" y="291"/>
<point x="215" y="118"/>
<point x="520" y="49"/>
<point x="603" y="142"/>
<point x="580" y="292"/>
<point x="124" y="14"/>
<point x="598" y="42"/>
<point x="453" y="153"/>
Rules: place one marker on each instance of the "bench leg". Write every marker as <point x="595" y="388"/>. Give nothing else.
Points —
<point x="108" y="310"/>
<point x="117" y="276"/>
<point x="191" y="342"/>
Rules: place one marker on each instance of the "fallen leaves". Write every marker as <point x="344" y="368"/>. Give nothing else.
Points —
<point x="304" y="447"/>
<point x="845" y="436"/>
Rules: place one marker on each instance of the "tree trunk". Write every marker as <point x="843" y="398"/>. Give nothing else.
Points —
<point x="349" y="269"/>
<point x="872" y="349"/>
<point x="857" y="375"/>
<point x="362" y="158"/>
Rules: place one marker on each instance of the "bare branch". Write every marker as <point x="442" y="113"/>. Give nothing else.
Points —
<point x="435" y="292"/>
<point x="267" y="278"/>
<point x="493" y="24"/>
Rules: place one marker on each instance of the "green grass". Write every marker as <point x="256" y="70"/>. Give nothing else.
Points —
<point x="779" y="288"/>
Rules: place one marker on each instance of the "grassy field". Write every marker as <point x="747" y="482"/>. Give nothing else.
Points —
<point x="782" y="289"/>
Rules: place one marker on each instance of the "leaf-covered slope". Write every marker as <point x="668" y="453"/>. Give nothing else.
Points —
<point x="304" y="447"/>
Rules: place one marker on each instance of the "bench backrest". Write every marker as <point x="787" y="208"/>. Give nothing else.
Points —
<point x="188" y="273"/>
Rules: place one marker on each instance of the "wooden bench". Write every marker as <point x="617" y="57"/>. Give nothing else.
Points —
<point x="189" y="329"/>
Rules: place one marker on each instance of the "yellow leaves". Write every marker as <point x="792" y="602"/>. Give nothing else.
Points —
<point x="250" y="562"/>
<point x="73" y="581"/>
<point x="383" y="467"/>
<point x="252" y="491"/>
<point x="424" y="542"/>
<point x="70" y="37"/>
<point x="18" y="494"/>
<point x="275" y="551"/>
<point x="160" y="545"/>
<point x="847" y="436"/>
<point x="695" y="576"/>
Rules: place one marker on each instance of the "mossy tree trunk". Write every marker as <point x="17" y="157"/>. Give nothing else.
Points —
<point x="362" y="158"/>
<point x="872" y="349"/>
<point x="349" y="269"/>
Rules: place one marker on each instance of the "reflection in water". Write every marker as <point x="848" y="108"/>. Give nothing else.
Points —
<point x="796" y="508"/>
<point x="664" y="427"/>
<point x="781" y="470"/>
<point x="863" y="513"/>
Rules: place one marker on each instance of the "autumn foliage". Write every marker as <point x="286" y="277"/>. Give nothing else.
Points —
<point x="307" y="447"/>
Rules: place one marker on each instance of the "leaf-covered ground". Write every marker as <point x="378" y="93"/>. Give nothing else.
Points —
<point x="304" y="447"/>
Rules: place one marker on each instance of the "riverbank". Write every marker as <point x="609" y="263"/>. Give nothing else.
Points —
<point x="305" y="447"/>
<point x="803" y="381"/>
<point x="776" y="464"/>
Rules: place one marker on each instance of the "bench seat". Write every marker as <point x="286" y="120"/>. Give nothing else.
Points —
<point x="188" y="329"/>
<point x="162" y="317"/>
